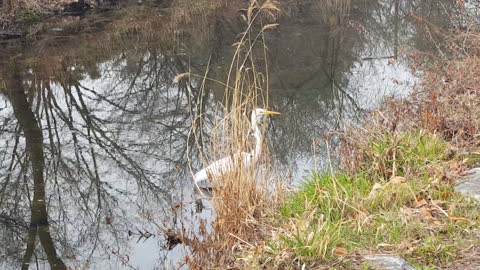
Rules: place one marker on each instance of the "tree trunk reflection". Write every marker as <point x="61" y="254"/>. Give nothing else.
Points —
<point x="39" y="225"/>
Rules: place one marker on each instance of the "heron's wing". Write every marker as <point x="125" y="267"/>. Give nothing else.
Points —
<point x="215" y="169"/>
<point x="227" y="164"/>
<point x="200" y="176"/>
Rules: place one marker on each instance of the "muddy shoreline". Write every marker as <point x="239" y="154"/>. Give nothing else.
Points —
<point x="28" y="25"/>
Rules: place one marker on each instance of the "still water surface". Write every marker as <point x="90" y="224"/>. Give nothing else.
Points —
<point x="95" y="145"/>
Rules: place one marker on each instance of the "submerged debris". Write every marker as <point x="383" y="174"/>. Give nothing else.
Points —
<point x="142" y="234"/>
<point x="172" y="239"/>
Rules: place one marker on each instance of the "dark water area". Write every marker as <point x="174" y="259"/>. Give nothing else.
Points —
<point x="96" y="151"/>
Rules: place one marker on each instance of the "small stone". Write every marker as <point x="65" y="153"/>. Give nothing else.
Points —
<point x="56" y="29"/>
<point x="387" y="262"/>
<point x="469" y="184"/>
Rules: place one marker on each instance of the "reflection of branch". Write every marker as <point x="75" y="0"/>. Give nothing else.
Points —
<point x="377" y="58"/>
<point x="11" y="222"/>
<point x="27" y="257"/>
<point x="34" y="144"/>
<point x="88" y="120"/>
<point x="10" y="167"/>
<point x="352" y="100"/>
<point x="331" y="77"/>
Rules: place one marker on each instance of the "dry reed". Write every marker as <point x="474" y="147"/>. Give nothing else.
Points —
<point x="447" y="103"/>
<point x="333" y="12"/>
<point x="241" y="198"/>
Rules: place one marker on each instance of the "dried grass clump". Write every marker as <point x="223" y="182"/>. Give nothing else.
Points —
<point x="243" y="198"/>
<point x="450" y="103"/>
<point x="447" y="104"/>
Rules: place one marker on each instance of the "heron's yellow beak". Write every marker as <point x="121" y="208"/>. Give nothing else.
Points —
<point x="271" y="113"/>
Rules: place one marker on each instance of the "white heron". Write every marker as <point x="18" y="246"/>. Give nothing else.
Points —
<point x="227" y="164"/>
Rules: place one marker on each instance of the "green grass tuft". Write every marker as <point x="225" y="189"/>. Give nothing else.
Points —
<point x="389" y="154"/>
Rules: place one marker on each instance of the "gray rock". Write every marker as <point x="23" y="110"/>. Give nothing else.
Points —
<point x="387" y="262"/>
<point x="469" y="184"/>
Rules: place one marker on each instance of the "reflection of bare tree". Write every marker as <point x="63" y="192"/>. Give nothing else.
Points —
<point x="39" y="225"/>
<point x="89" y="144"/>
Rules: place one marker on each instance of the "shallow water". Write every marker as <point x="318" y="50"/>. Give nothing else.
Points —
<point x="95" y="145"/>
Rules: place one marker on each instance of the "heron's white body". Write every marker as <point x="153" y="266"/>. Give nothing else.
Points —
<point x="223" y="166"/>
<point x="227" y="164"/>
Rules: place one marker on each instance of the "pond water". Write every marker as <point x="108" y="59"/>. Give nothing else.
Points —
<point x="95" y="145"/>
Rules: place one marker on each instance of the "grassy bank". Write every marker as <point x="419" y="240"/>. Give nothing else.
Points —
<point x="394" y="193"/>
<point x="399" y="201"/>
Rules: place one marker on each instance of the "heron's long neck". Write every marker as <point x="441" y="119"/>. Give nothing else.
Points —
<point x="258" y="142"/>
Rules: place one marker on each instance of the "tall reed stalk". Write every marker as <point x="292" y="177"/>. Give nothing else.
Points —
<point x="241" y="198"/>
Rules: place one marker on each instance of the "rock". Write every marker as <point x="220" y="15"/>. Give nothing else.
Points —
<point x="469" y="184"/>
<point x="387" y="262"/>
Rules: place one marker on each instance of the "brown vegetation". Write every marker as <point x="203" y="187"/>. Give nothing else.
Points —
<point x="447" y="102"/>
<point x="242" y="198"/>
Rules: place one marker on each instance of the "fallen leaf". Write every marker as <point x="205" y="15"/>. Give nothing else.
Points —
<point x="457" y="218"/>
<point x="341" y="251"/>
<point x="420" y="203"/>
<point x="398" y="180"/>
<point x="425" y="212"/>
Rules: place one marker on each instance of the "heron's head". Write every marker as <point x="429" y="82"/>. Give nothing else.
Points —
<point x="259" y="114"/>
